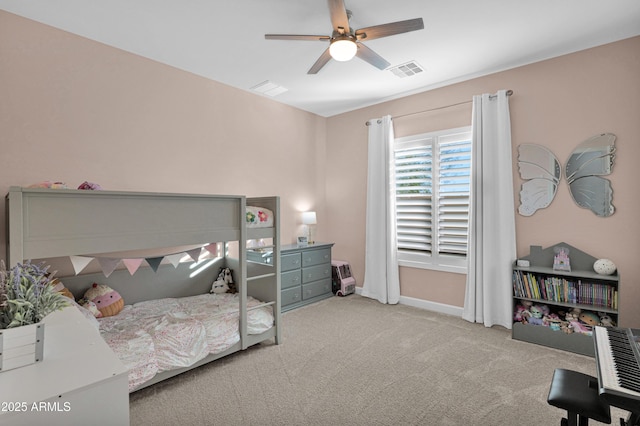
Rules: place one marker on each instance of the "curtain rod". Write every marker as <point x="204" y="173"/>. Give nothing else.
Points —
<point x="509" y="93"/>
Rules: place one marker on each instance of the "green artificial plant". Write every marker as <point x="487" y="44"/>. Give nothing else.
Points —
<point x="26" y="295"/>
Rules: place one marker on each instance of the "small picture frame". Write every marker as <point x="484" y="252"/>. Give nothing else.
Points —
<point x="302" y="241"/>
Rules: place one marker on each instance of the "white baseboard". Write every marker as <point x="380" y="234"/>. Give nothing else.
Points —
<point x="427" y="305"/>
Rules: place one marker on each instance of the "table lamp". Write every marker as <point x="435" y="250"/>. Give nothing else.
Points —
<point x="309" y="220"/>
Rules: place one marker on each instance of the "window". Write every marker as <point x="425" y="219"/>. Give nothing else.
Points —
<point x="432" y="178"/>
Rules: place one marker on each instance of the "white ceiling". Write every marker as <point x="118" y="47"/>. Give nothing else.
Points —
<point x="224" y="40"/>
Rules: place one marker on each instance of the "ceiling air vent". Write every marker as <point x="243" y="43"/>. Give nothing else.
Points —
<point x="407" y="70"/>
<point x="268" y="88"/>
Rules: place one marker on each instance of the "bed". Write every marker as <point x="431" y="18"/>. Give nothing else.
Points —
<point x="170" y="322"/>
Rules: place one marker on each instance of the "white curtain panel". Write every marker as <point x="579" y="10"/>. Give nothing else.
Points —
<point x="492" y="240"/>
<point x="381" y="279"/>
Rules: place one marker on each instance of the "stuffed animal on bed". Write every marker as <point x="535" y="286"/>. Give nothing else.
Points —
<point x="224" y="282"/>
<point x="219" y="286"/>
<point x="49" y="184"/>
<point x="107" y="300"/>
<point x="226" y="274"/>
<point x="60" y="288"/>
<point x="90" y="185"/>
<point x="90" y="306"/>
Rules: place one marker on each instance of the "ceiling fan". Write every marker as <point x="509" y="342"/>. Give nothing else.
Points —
<point x="345" y="42"/>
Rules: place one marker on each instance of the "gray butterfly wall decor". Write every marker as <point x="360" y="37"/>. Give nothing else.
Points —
<point x="541" y="171"/>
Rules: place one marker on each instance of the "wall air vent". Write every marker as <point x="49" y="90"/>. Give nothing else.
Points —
<point x="407" y="70"/>
<point x="269" y="88"/>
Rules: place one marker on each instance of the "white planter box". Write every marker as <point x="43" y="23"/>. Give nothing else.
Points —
<point x="21" y="346"/>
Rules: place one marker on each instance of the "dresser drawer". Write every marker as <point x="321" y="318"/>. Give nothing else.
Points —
<point x="316" y="289"/>
<point x="316" y="257"/>
<point x="289" y="262"/>
<point x="314" y="273"/>
<point x="291" y="295"/>
<point x="291" y="279"/>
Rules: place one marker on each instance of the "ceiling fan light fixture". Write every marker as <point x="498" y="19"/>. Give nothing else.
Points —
<point x="343" y="49"/>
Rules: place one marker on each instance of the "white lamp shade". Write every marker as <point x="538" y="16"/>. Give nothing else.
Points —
<point x="343" y="50"/>
<point x="309" y="218"/>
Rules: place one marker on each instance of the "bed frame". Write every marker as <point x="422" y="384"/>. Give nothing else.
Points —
<point x="53" y="223"/>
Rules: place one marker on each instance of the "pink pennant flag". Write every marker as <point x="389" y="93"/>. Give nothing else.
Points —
<point x="154" y="262"/>
<point x="132" y="264"/>
<point x="80" y="262"/>
<point x="194" y="254"/>
<point x="108" y="265"/>
<point x="174" y="259"/>
<point x="212" y="248"/>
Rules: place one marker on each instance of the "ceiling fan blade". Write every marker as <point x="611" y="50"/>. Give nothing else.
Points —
<point x="296" y="37"/>
<point x="339" y="17"/>
<point x="372" y="57"/>
<point x="385" y="30"/>
<point x="321" y="62"/>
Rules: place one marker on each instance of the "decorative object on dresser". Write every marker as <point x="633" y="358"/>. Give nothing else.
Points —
<point x="306" y="274"/>
<point x="559" y="308"/>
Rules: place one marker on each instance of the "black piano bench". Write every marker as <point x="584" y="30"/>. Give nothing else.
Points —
<point x="578" y="394"/>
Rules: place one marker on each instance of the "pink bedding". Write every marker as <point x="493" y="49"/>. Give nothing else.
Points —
<point x="159" y="335"/>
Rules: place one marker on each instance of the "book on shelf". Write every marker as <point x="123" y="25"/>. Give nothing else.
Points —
<point x="560" y="289"/>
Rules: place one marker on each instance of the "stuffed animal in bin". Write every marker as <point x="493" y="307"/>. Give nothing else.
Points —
<point x="537" y="313"/>
<point x="589" y="318"/>
<point x="107" y="300"/>
<point x="606" y="320"/>
<point x="522" y="314"/>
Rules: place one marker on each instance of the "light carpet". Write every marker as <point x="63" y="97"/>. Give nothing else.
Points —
<point x="354" y="361"/>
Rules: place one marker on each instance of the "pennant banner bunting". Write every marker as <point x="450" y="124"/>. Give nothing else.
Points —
<point x="80" y="262"/>
<point x="154" y="262"/>
<point x="108" y="265"/>
<point x="132" y="264"/>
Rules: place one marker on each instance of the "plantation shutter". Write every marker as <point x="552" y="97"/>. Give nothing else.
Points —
<point x="433" y="174"/>
<point x="414" y="196"/>
<point x="453" y="193"/>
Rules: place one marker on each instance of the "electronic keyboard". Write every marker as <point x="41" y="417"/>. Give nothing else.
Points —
<point x="618" y="361"/>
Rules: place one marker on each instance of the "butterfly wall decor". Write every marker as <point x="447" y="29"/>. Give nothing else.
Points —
<point x="541" y="171"/>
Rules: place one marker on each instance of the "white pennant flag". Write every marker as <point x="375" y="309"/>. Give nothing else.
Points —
<point x="80" y="262"/>
<point x="174" y="259"/>
<point x="108" y="265"/>
<point x="132" y="264"/>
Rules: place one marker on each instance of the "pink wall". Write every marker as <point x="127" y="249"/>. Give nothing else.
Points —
<point x="557" y="103"/>
<point x="74" y="110"/>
